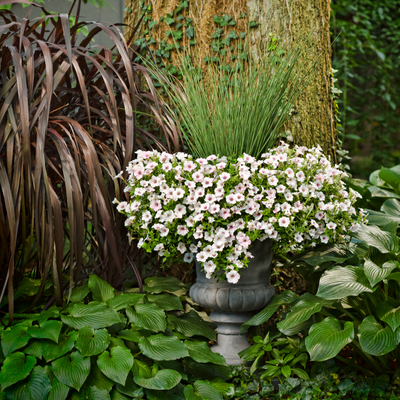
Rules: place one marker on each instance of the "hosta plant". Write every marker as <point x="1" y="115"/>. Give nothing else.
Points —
<point x="108" y="345"/>
<point x="215" y="207"/>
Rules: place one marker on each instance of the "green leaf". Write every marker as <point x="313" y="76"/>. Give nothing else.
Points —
<point x="53" y="312"/>
<point x="375" y="273"/>
<point x="163" y="348"/>
<point x="97" y="378"/>
<point x="13" y="339"/>
<point x="334" y="253"/>
<point x="58" y="391"/>
<point x="378" y="192"/>
<point x="51" y="350"/>
<point x="326" y="339"/>
<point x="207" y="370"/>
<point x="284" y="298"/>
<point x="48" y="330"/>
<point x="130" y="388"/>
<point x="115" y="395"/>
<point x="176" y="393"/>
<point x="380" y="218"/>
<point x="201" y="353"/>
<point x="79" y="293"/>
<point x="141" y="369"/>
<point x="191" y="324"/>
<point x="116" y="365"/>
<point x="101" y="290"/>
<point x="93" y="314"/>
<point x="389" y="314"/>
<point x="251" y="352"/>
<point x="16" y="367"/>
<point x="389" y="176"/>
<point x="130" y="335"/>
<point x="286" y="371"/>
<point x="392" y="207"/>
<point x="202" y="390"/>
<point x="301" y="311"/>
<point x="165" y="301"/>
<point x="169" y="284"/>
<point x="34" y="348"/>
<point x="72" y="369"/>
<point x="341" y="282"/>
<point x="376" y="340"/>
<point x="91" y="342"/>
<point x="301" y="374"/>
<point x="385" y="242"/>
<point x="124" y="300"/>
<point x="35" y="387"/>
<point x="147" y="316"/>
<point x="375" y="179"/>
<point x="163" y="380"/>
<point x="98" y="394"/>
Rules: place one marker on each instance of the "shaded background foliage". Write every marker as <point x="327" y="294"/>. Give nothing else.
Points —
<point x="367" y="57"/>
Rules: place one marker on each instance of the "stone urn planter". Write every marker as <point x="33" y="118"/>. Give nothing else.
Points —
<point x="234" y="304"/>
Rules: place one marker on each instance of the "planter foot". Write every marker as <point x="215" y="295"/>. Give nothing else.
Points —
<point x="229" y="340"/>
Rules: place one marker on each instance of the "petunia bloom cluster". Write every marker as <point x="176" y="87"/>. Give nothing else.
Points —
<point x="212" y="209"/>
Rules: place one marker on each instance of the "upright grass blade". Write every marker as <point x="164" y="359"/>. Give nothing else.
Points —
<point x="67" y="124"/>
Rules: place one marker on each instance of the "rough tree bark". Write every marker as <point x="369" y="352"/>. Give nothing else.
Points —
<point x="313" y="120"/>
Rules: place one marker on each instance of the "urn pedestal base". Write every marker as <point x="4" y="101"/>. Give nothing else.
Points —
<point x="234" y="304"/>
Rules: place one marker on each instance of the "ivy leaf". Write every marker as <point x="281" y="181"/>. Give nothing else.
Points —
<point x="16" y="367"/>
<point x="116" y="365"/>
<point x="340" y="282"/>
<point x="163" y="348"/>
<point x="163" y="380"/>
<point x="124" y="300"/>
<point x="51" y="350"/>
<point x="375" y="273"/>
<point x="376" y="340"/>
<point x="72" y="369"/>
<point x="35" y="387"/>
<point x="389" y="314"/>
<point x="284" y="298"/>
<point x="92" y="342"/>
<point x="13" y="339"/>
<point x="93" y="314"/>
<point x="47" y="330"/>
<point x="189" y="32"/>
<point x="200" y="352"/>
<point x="101" y="290"/>
<point x="325" y="339"/>
<point x="191" y="324"/>
<point x="147" y="316"/>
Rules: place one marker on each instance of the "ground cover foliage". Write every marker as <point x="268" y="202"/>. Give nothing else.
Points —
<point x="67" y="124"/>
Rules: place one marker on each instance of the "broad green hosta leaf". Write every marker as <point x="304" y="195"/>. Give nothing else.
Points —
<point x="97" y="378"/>
<point x="340" y="282"/>
<point x="223" y="387"/>
<point x="35" y="387"/>
<point x="200" y="352"/>
<point x="302" y="311"/>
<point x="116" y="365"/>
<point x="47" y="330"/>
<point x="380" y="218"/>
<point x="14" y="339"/>
<point x="335" y="253"/>
<point x="191" y="324"/>
<point x="51" y="350"/>
<point x="391" y="207"/>
<point x="141" y="369"/>
<point x="302" y="326"/>
<point x="385" y="242"/>
<point x="165" y="301"/>
<point x="93" y="314"/>
<point x="101" y="290"/>
<point x="169" y="284"/>
<point x="202" y="390"/>
<point x="376" y="340"/>
<point x="91" y="342"/>
<point x="16" y="367"/>
<point x="147" y="316"/>
<point x="58" y="391"/>
<point x="124" y="300"/>
<point x="72" y="369"/>
<point x="375" y="179"/>
<point x="264" y="315"/>
<point x="53" y="312"/>
<point x="98" y="394"/>
<point x="176" y="393"/>
<point x="389" y="314"/>
<point x="115" y="395"/>
<point x="375" y="273"/>
<point x="379" y="192"/>
<point x="130" y="388"/>
<point x="163" y="348"/>
<point x="130" y="335"/>
<point x="389" y="176"/>
<point x="34" y="348"/>
<point x="326" y="339"/>
<point x="163" y="380"/>
<point x="79" y="293"/>
<point x="207" y="370"/>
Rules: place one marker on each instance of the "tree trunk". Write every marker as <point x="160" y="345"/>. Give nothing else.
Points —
<point x="313" y="119"/>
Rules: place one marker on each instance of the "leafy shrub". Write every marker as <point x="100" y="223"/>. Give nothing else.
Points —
<point x="67" y="124"/>
<point x="106" y="345"/>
